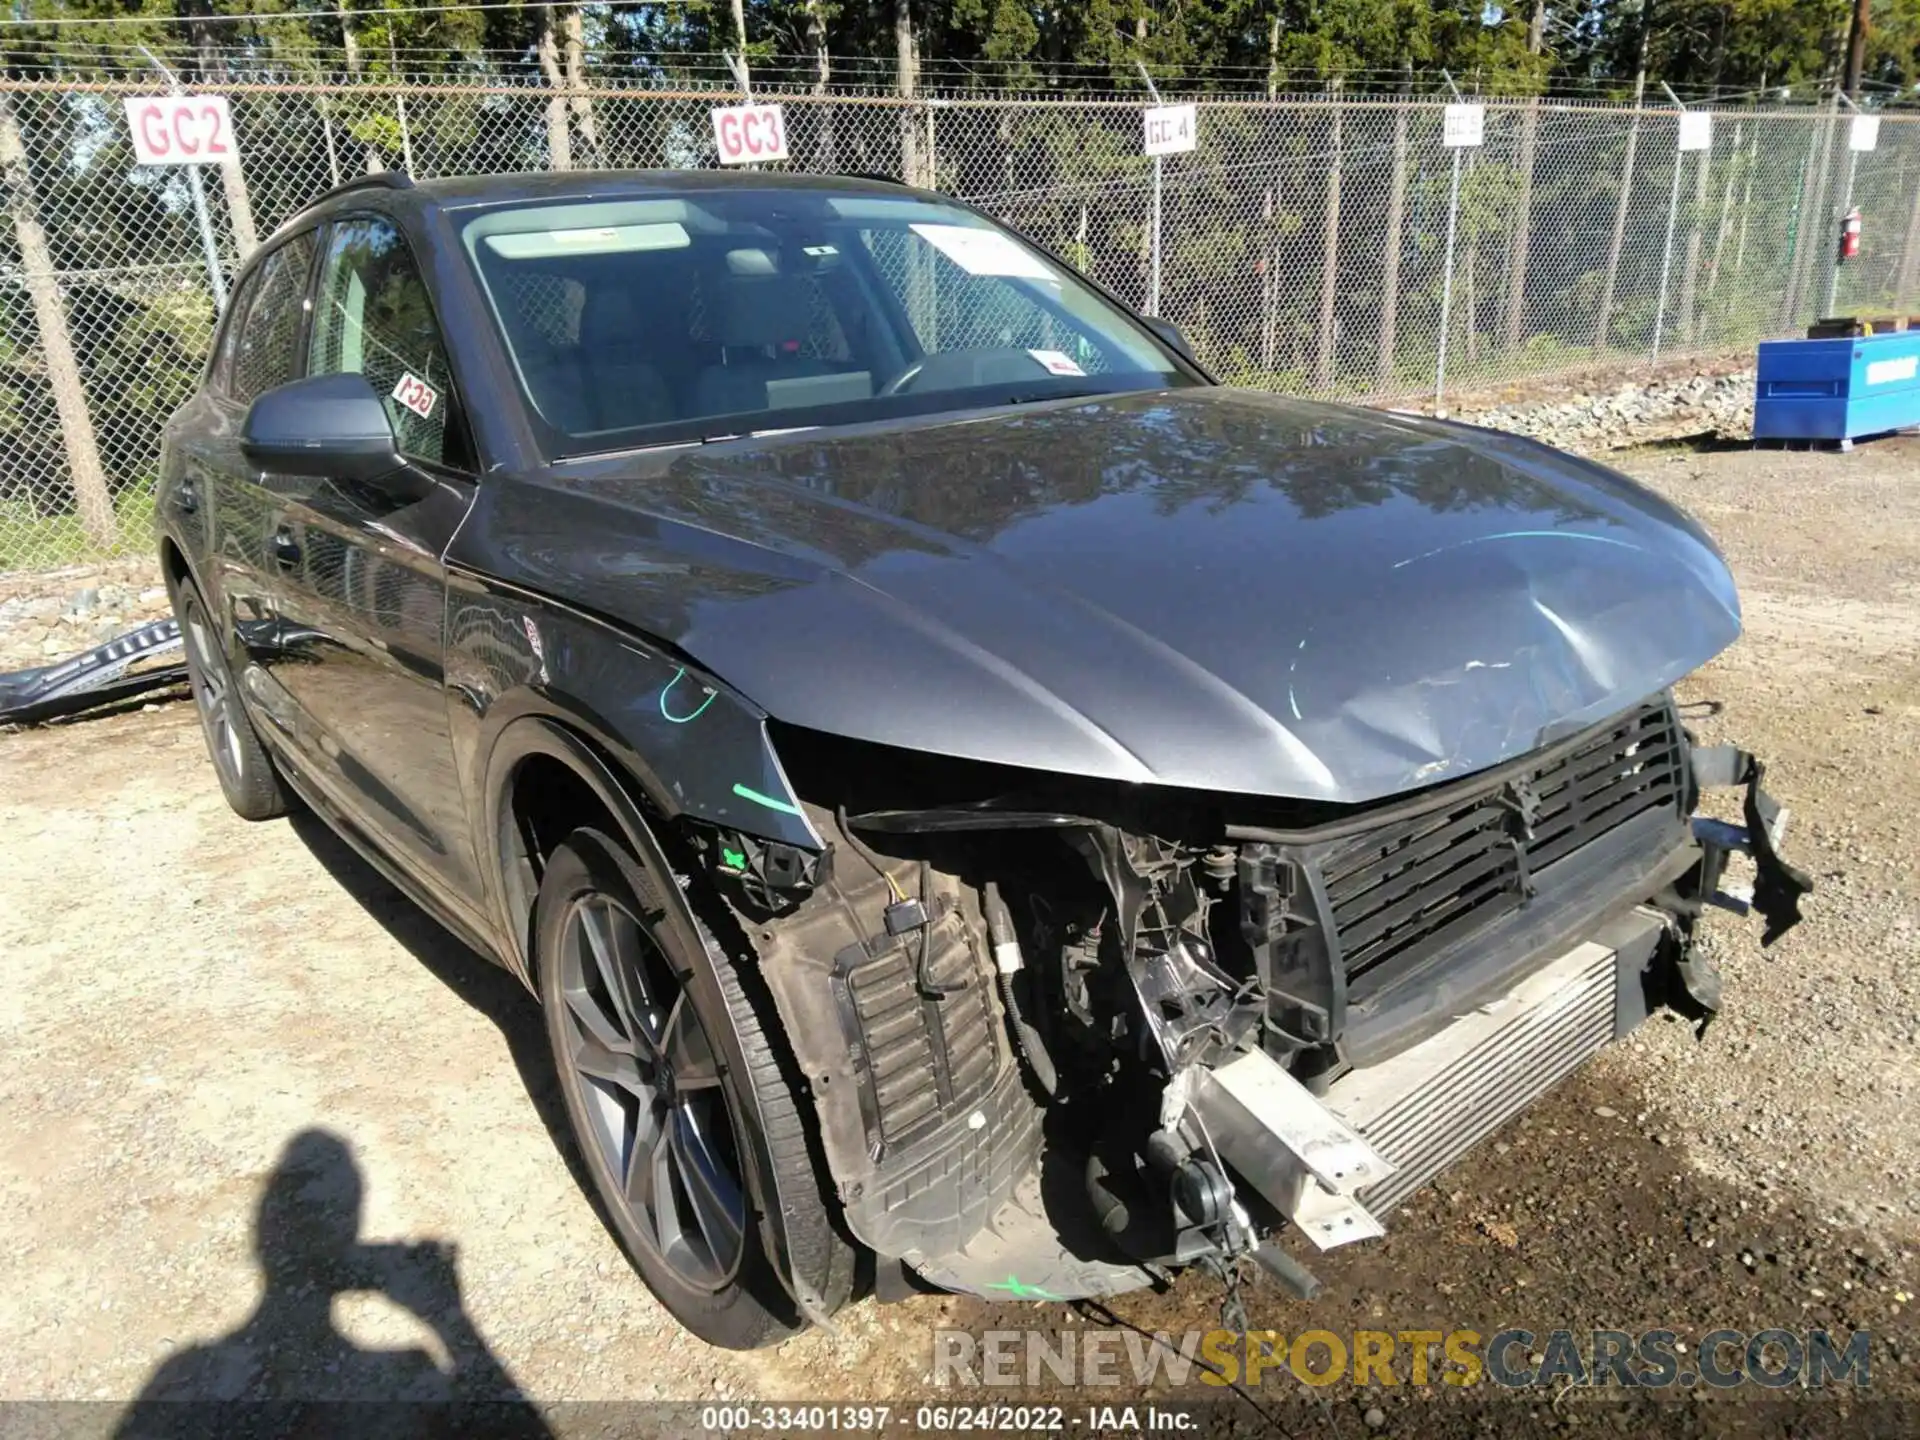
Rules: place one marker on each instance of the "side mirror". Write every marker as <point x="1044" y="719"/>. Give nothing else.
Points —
<point x="1171" y="333"/>
<point x="330" y="427"/>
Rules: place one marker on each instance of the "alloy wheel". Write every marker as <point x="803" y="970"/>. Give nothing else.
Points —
<point x="212" y="683"/>
<point x="651" y="1088"/>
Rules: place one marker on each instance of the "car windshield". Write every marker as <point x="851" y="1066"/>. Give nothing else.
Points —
<point x="727" y="311"/>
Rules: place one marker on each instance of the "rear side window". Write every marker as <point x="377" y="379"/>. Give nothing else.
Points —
<point x="374" y="317"/>
<point x="267" y="352"/>
<point x="221" y="370"/>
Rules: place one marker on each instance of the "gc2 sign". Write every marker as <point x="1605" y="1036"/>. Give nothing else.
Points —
<point x="181" y="130"/>
<point x="1171" y="129"/>
<point x="745" y="133"/>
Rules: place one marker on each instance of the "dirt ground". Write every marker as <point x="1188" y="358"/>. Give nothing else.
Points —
<point x="265" y="1130"/>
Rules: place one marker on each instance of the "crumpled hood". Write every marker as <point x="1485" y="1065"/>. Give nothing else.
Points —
<point x="1202" y="587"/>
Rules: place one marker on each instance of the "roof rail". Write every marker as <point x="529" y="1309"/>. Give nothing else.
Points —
<point x="385" y="179"/>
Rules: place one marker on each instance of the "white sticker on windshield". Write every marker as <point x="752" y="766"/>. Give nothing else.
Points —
<point x="985" y="252"/>
<point x="416" y="395"/>
<point x="1058" y="362"/>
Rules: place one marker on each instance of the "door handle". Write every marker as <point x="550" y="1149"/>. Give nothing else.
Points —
<point x="286" y="549"/>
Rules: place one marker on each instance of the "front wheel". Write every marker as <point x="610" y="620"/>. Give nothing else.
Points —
<point x="241" y="763"/>
<point x="677" y="1102"/>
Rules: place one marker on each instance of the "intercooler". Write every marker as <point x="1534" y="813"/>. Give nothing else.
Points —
<point x="1427" y="1106"/>
<point x="1319" y="1159"/>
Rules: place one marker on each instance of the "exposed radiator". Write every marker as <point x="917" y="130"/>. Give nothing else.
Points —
<point x="1427" y="1106"/>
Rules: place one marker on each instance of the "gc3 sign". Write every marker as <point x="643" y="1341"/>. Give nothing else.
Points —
<point x="745" y="133"/>
<point x="181" y="130"/>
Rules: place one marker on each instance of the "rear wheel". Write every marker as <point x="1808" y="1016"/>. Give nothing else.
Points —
<point x="245" y="771"/>
<point x="689" y="1130"/>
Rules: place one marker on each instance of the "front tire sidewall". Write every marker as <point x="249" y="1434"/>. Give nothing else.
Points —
<point x="753" y="1309"/>
<point x="249" y="782"/>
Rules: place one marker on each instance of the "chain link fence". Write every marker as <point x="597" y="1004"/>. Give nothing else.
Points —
<point x="1303" y="244"/>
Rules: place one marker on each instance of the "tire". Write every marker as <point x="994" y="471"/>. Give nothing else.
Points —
<point x="700" y="1086"/>
<point x="245" y="771"/>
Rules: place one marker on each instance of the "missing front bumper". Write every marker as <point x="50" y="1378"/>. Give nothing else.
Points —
<point x="1426" y="1106"/>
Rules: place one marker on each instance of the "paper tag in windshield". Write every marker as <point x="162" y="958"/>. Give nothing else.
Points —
<point x="984" y="252"/>
<point x="416" y="395"/>
<point x="1058" y="362"/>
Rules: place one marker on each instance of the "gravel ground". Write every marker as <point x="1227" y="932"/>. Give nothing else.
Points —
<point x="262" y="1126"/>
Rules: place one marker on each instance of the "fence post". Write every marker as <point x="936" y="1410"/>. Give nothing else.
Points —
<point x="1153" y="262"/>
<point x="1330" y="257"/>
<point x="50" y="318"/>
<point x="1846" y="204"/>
<point x="1690" y="280"/>
<point x="1673" y="210"/>
<point x="215" y="280"/>
<point x="1603" y="323"/>
<point x="1390" y="268"/>
<point x="1446" y="284"/>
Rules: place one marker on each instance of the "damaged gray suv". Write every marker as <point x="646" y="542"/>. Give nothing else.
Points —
<point x="981" y="805"/>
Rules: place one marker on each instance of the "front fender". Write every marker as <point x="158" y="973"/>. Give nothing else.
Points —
<point x="687" y="744"/>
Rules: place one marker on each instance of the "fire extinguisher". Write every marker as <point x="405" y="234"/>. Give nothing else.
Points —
<point x="1850" y="235"/>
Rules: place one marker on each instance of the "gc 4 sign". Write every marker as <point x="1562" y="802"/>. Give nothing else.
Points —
<point x="181" y="130"/>
<point x="745" y="133"/>
<point x="1171" y="129"/>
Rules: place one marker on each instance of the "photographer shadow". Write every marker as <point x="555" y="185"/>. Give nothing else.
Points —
<point x="288" y="1364"/>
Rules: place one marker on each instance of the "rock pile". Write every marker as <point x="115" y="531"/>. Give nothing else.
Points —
<point x="49" y="617"/>
<point x="1632" y="414"/>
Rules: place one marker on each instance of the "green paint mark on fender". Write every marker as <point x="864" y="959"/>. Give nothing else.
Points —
<point x="767" y="800"/>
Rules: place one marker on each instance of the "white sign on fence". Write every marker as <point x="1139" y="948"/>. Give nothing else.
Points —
<point x="1465" y="126"/>
<point x="1865" y="133"/>
<point x="1171" y="129"/>
<point x="745" y="133"/>
<point x="1696" y="130"/>
<point x="181" y="130"/>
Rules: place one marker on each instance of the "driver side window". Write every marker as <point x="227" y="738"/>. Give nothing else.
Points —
<point x="373" y="316"/>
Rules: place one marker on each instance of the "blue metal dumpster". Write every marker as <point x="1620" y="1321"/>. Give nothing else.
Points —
<point x="1837" y="389"/>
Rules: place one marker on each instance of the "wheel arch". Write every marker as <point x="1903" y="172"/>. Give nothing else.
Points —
<point x="545" y="778"/>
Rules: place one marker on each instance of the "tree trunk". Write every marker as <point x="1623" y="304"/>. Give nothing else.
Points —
<point x="559" y="133"/>
<point x="573" y="37"/>
<point x="1390" y="267"/>
<point x="1603" y="322"/>
<point x="1910" y="259"/>
<point x="1330" y="257"/>
<point x="824" y="146"/>
<point x="1273" y="56"/>
<point x="50" y="317"/>
<point x="817" y="43"/>
<point x="740" y="39"/>
<point x="350" y="48"/>
<point x="1522" y="239"/>
<point x="212" y="68"/>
